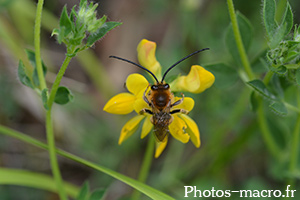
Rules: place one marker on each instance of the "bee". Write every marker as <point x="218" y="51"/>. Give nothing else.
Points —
<point x="159" y="98"/>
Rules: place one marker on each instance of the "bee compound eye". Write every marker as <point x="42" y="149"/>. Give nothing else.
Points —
<point x="166" y="86"/>
<point x="154" y="87"/>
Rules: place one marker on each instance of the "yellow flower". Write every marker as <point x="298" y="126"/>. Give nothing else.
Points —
<point x="182" y="127"/>
<point x="123" y="103"/>
<point x="196" y="81"/>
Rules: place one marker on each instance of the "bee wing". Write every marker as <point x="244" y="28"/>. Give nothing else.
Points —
<point x="161" y="133"/>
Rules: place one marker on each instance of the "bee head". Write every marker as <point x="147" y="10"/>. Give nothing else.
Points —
<point x="160" y="86"/>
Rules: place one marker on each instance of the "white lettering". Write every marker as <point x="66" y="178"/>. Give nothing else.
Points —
<point x="262" y="193"/>
<point x="213" y="192"/>
<point x="269" y="193"/>
<point x="256" y="193"/>
<point x="293" y="192"/>
<point x="227" y="193"/>
<point x="205" y="191"/>
<point x="222" y="193"/>
<point x="187" y="192"/>
<point x="287" y="190"/>
<point x="277" y="191"/>
<point x="195" y="192"/>
<point x="246" y="192"/>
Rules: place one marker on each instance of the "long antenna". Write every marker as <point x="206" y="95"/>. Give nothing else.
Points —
<point x="163" y="78"/>
<point x="140" y="66"/>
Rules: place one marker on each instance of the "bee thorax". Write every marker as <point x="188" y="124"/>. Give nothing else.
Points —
<point x="161" y="99"/>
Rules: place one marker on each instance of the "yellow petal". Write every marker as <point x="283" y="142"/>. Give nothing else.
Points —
<point x="140" y="104"/>
<point x="198" y="80"/>
<point x="146" y="56"/>
<point x="177" y="129"/>
<point x="136" y="84"/>
<point x="192" y="129"/>
<point x="206" y="78"/>
<point x="120" y="104"/>
<point x="187" y="104"/>
<point x="147" y="126"/>
<point x="160" y="146"/>
<point x="130" y="127"/>
<point x="192" y="81"/>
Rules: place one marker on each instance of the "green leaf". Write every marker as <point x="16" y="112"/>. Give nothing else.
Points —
<point x="271" y="25"/>
<point x="31" y="58"/>
<point x="298" y="76"/>
<point x="296" y="33"/>
<point x="25" y="80"/>
<point x="55" y="32"/>
<point x="278" y="36"/>
<point x="246" y="31"/>
<point x="76" y="41"/>
<point x="45" y="98"/>
<point x="59" y="34"/>
<point x="101" y="32"/>
<point x="280" y="70"/>
<point x="84" y="192"/>
<point x="279" y="108"/>
<point x="99" y="23"/>
<point x="292" y="66"/>
<point x="260" y="87"/>
<point x="97" y="195"/>
<point x="288" y="19"/>
<point x="65" y="21"/>
<point x="291" y="56"/>
<point x="73" y="14"/>
<point x="63" y="96"/>
<point x="225" y="75"/>
<point x="82" y="3"/>
<point x="285" y="27"/>
<point x="276" y="85"/>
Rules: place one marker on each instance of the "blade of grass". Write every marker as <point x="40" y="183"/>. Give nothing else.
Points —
<point x="143" y="188"/>
<point x="34" y="180"/>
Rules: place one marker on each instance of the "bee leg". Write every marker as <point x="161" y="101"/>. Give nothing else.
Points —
<point x="143" y="111"/>
<point x="179" y="101"/>
<point x="145" y="98"/>
<point x="179" y="111"/>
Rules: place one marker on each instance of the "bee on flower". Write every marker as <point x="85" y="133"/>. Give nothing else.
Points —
<point x="156" y="106"/>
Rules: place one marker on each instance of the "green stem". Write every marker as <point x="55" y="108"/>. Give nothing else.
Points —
<point x="291" y="107"/>
<point x="49" y="130"/>
<point x="37" y="33"/>
<point x="268" y="77"/>
<point x="295" y="145"/>
<point x="57" y="81"/>
<point x="49" y="124"/>
<point x="239" y="42"/>
<point x="147" y="190"/>
<point x="53" y="158"/>
<point x="144" y="171"/>
<point x="263" y="123"/>
<point x="267" y="135"/>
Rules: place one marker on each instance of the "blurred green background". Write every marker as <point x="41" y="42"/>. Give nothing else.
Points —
<point x="232" y="155"/>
